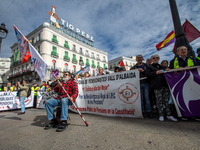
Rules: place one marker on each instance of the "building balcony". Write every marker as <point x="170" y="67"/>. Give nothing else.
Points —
<point x="93" y="66"/>
<point x="74" y="49"/>
<point x="87" y="64"/>
<point x="66" y="58"/>
<point x="54" y="54"/>
<point x="98" y="58"/>
<point x="54" y="40"/>
<point x="74" y="61"/>
<point x="81" y="63"/>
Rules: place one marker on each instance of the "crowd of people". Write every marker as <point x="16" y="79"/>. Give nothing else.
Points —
<point x="154" y="89"/>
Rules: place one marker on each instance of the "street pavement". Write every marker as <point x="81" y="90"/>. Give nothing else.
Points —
<point x="26" y="132"/>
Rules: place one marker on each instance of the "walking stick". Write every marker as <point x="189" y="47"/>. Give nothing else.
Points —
<point x="75" y="107"/>
<point x="72" y="103"/>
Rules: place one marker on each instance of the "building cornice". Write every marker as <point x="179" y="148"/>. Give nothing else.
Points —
<point x="51" y="27"/>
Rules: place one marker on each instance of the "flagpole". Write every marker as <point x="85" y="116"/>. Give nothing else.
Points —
<point x="181" y="40"/>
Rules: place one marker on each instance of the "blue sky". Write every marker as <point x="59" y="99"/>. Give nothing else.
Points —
<point x="119" y="27"/>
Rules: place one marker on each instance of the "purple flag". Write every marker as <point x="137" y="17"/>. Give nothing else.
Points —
<point x="55" y="73"/>
<point x="185" y="87"/>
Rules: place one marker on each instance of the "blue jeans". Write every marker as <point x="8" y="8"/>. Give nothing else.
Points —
<point x="51" y="103"/>
<point x="144" y="89"/>
<point x="22" y="99"/>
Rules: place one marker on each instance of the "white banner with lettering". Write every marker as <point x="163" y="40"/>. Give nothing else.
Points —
<point x="9" y="100"/>
<point x="117" y="94"/>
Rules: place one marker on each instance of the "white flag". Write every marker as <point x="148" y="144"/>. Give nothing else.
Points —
<point x="83" y="70"/>
<point x="38" y="62"/>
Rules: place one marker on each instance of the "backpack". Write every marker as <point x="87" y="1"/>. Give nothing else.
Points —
<point x="29" y="92"/>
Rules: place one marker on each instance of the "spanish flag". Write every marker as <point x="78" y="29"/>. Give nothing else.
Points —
<point x="167" y="41"/>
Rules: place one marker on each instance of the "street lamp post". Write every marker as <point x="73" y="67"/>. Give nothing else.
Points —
<point x="3" y="33"/>
<point x="181" y="40"/>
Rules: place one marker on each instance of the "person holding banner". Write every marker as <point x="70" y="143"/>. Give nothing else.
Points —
<point x="70" y="85"/>
<point x="182" y="60"/>
<point x="8" y="87"/>
<point x="100" y="71"/>
<point x="144" y="84"/>
<point x="23" y="94"/>
<point x="159" y="84"/>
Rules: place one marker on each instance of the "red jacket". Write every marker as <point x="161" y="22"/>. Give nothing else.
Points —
<point x="71" y="88"/>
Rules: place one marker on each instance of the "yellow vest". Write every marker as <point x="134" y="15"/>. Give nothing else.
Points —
<point x="35" y="90"/>
<point x="189" y="63"/>
<point x="198" y="58"/>
<point x="11" y="89"/>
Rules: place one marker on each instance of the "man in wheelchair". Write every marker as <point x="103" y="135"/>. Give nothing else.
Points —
<point x="62" y="100"/>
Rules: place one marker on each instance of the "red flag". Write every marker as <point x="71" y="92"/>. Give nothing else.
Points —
<point x="26" y="57"/>
<point x="191" y="33"/>
<point x="121" y="64"/>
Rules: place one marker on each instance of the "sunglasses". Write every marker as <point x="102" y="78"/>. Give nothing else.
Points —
<point x="155" y="58"/>
<point x="66" y="74"/>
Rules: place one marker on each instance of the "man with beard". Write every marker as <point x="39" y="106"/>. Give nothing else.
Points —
<point x="63" y="101"/>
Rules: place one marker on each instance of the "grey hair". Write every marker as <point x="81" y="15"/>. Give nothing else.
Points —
<point x="180" y="47"/>
<point x="155" y="55"/>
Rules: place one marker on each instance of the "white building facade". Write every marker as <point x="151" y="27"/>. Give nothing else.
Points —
<point x="4" y="70"/>
<point x="59" y="50"/>
<point x="128" y="62"/>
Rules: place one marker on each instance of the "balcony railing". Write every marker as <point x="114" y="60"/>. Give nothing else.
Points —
<point x="66" y="58"/>
<point x="74" y="61"/>
<point x="81" y="63"/>
<point x="93" y="66"/>
<point x="54" y="54"/>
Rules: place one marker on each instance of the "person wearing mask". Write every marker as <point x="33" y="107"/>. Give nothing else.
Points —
<point x="70" y="86"/>
<point x="144" y="84"/>
<point x="35" y="88"/>
<point x="23" y="94"/>
<point x="159" y="84"/>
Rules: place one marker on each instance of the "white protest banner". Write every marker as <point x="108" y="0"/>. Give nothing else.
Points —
<point x="116" y="94"/>
<point x="43" y="97"/>
<point x="9" y="100"/>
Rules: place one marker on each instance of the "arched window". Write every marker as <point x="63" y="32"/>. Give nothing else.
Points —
<point x="66" y="67"/>
<point x="74" y="69"/>
<point x="93" y="72"/>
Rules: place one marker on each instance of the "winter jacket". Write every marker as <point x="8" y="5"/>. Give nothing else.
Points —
<point x="24" y="90"/>
<point x="156" y="81"/>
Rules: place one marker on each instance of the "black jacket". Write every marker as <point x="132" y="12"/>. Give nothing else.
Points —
<point x="156" y="81"/>
<point x="142" y="74"/>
